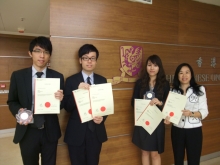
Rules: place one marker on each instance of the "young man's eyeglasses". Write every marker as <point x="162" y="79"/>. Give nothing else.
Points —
<point x="87" y="58"/>
<point x="38" y="51"/>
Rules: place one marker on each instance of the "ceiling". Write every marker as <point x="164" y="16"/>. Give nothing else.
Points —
<point x="32" y="16"/>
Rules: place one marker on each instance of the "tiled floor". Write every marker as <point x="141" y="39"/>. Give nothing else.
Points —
<point x="10" y="153"/>
<point x="215" y="161"/>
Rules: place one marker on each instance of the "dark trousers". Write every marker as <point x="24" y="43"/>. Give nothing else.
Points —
<point x="35" y="142"/>
<point x="189" y="140"/>
<point x="88" y="152"/>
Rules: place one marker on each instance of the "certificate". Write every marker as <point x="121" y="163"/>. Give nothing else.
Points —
<point x="139" y="106"/>
<point x="150" y="118"/>
<point x="101" y="99"/>
<point x="173" y="107"/>
<point x="44" y="99"/>
<point x="83" y="104"/>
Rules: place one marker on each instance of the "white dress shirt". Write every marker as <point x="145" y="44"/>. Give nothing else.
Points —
<point x="194" y="104"/>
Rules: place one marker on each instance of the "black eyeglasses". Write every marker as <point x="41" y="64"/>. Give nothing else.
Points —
<point x="87" y="58"/>
<point x="38" y="51"/>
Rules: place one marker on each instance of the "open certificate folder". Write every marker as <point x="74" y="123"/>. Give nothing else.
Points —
<point x="173" y="107"/>
<point x="83" y="104"/>
<point x="44" y="99"/>
<point x="97" y="101"/>
<point x="150" y="118"/>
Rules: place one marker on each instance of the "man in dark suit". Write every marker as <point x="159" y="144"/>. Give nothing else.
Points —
<point x="84" y="139"/>
<point x="42" y="133"/>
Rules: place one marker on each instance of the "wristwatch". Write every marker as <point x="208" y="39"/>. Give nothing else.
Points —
<point x="192" y="114"/>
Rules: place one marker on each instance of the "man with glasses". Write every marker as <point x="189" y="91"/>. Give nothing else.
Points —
<point x="84" y="140"/>
<point x="40" y="135"/>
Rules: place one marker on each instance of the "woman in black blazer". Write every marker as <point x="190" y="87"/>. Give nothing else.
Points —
<point x="152" y="85"/>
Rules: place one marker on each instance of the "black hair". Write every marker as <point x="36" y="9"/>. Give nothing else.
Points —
<point x="87" y="48"/>
<point x="42" y="42"/>
<point x="193" y="84"/>
<point x="161" y="77"/>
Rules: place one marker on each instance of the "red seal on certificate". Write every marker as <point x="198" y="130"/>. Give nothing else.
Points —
<point x="102" y="108"/>
<point x="47" y="104"/>
<point x="90" y="111"/>
<point x="147" y="123"/>
<point x="171" y="114"/>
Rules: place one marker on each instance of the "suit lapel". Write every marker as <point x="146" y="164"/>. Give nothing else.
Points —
<point x="28" y="83"/>
<point x="80" y="77"/>
<point x="49" y="73"/>
<point x="96" y="80"/>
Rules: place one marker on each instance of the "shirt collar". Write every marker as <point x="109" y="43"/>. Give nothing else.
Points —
<point x="34" y="71"/>
<point x="85" y="76"/>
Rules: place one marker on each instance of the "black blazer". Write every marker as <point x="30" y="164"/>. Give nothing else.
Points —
<point x="138" y="95"/>
<point x="20" y="96"/>
<point x="75" y="131"/>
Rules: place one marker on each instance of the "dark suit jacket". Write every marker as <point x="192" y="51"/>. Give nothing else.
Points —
<point x="138" y="95"/>
<point x="20" y="96"/>
<point x="75" y="131"/>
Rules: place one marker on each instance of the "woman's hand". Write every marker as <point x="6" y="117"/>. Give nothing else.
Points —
<point x="156" y="102"/>
<point x="186" y="112"/>
<point x="167" y="120"/>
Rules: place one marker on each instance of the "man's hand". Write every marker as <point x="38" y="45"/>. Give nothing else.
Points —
<point x="98" y="119"/>
<point x="59" y="95"/>
<point x="83" y="85"/>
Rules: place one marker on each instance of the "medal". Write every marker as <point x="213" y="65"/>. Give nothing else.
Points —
<point x="149" y="95"/>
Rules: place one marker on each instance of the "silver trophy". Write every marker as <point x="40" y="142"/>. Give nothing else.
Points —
<point x="24" y="116"/>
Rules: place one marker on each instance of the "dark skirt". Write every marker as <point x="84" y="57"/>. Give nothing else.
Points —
<point x="147" y="142"/>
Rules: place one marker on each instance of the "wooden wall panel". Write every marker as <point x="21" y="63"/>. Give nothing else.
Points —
<point x="62" y="155"/>
<point x="16" y="50"/>
<point x="211" y="134"/>
<point x="212" y="93"/>
<point x="63" y="119"/>
<point x="117" y="149"/>
<point x="3" y="99"/>
<point x="199" y="24"/>
<point x="192" y="54"/>
<point x="13" y="56"/>
<point x="8" y="65"/>
<point x="115" y="19"/>
<point x="167" y="156"/>
<point x="7" y="120"/>
<point x="123" y="119"/>
<point x="14" y="45"/>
